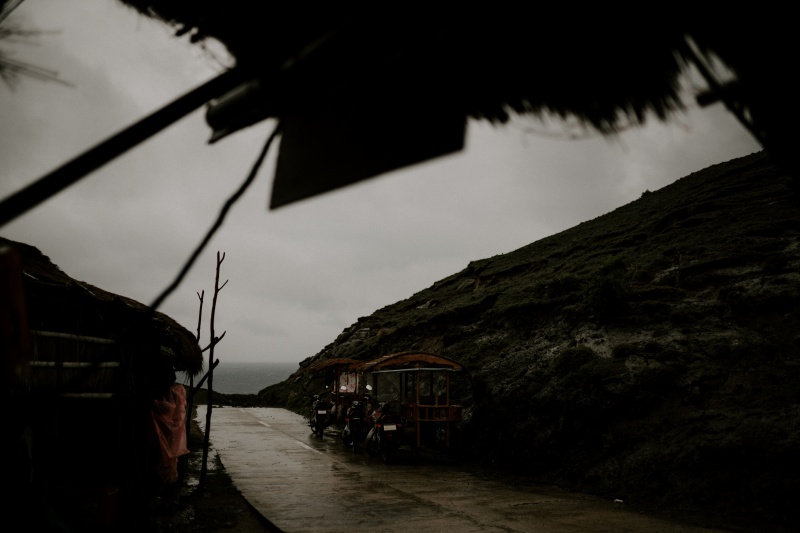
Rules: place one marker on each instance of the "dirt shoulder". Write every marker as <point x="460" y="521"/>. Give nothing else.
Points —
<point x="219" y="506"/>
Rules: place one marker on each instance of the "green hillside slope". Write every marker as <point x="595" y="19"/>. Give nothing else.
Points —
<point x="651" y="354"/>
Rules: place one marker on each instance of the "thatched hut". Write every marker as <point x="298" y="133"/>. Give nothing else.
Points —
<point x="85" y="372"/>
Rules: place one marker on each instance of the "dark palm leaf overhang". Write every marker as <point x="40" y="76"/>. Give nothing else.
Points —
<point x="359" y="92"/>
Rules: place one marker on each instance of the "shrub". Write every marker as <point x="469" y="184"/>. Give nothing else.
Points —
<point x="608" y="293"/>
<point x="624" y="350"/>
<point x="572" y="359"/>
<point x="562" y="284"/>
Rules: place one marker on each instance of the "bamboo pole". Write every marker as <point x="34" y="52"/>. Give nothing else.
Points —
<point x="59" y="179"/>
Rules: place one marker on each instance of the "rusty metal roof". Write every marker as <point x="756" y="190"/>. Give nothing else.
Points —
<point x="409" y="360"/>
<point x="340" y="363"/>
<point x="395" y="361"/>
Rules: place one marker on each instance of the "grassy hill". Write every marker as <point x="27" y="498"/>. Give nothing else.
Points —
<point x="651" y="354"/>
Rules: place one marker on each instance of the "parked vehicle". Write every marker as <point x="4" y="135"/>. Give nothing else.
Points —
<point x="386" y="435"/>
<point x="418" y="384"/>
<point x="356" y="425"/>
<point x="320" y="416"/>
<point x="344" y="385"/>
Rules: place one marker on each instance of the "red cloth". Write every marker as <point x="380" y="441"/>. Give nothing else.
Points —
<point x="169" y="420"/>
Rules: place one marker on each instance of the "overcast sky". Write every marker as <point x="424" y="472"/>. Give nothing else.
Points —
<point x="300" y="274"/>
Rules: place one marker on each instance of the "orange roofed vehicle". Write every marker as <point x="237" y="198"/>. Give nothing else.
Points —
<point x="416" y="385"/>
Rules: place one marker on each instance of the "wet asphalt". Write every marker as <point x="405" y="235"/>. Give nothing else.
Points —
<point x="302" y="483"/>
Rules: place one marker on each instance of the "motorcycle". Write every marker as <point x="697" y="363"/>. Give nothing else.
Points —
<point x="386" y="435"/>
<point x="356" y="425"/>
<point x="320" y="416"/>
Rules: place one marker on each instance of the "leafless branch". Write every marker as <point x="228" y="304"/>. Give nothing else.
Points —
<point x="211" y="364"/>
<point x="218" y="223"/>
<point x="200" y="296"/>
<point x="203" y="380"/>
<point x="214" y="342"/>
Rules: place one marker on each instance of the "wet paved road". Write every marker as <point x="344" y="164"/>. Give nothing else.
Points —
<point x="305" y="484"/>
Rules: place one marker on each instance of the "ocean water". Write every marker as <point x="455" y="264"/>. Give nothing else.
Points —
<point x="246" y="378"/>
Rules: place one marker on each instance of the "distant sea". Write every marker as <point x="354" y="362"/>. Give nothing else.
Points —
<point x="246" y="378"/>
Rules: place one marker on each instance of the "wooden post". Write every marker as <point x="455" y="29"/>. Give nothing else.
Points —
<point x="190" y="403"/>
<point x="416" y="408"/>
<point x="447" y="424"/>
<point x="15" y="350"/>
<point x="15" y="344"/>
<point x="182" y="463"/>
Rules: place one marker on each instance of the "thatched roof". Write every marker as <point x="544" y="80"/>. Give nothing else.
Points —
<point x="482" y="63"/>
<point x="319" y="66"/>
<point x="55" y="302"/>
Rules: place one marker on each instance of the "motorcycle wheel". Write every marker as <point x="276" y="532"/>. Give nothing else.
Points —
<point x="383" y="447"/>
<point x="347" y="439"/>
<point x="386" y="455"/>
<point x="373" y="446"/>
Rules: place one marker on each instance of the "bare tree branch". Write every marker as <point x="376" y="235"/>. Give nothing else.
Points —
<point x="203" y="380"/>
<point x="211" y="364"/>
<point x="200" y="295"/>
<point x="214" y="342"/>
<point x="218" y="223"/>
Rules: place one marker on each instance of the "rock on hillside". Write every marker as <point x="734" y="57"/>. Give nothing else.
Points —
<point x="651" y="354"/>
